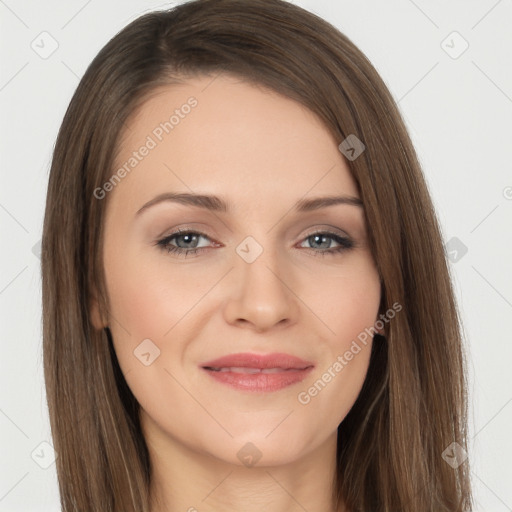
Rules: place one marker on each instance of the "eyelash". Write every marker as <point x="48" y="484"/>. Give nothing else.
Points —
<point x="345" y="244"/>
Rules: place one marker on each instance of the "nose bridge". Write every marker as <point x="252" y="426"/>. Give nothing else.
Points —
<point x="262" y="296"/>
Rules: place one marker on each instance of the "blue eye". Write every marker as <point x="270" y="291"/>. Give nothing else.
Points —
<point x="320" y="237"/>
<point x="187" y="243"/>
<point x="185" y="237"/>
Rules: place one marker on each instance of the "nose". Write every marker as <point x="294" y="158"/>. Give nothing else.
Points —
<point x="261" y="295"/>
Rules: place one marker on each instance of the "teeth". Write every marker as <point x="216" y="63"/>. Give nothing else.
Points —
<point x="235" y="369"/>
<point x="241" y="370"/>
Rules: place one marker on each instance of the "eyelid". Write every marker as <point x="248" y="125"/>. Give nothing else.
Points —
<point x="185" y="229"/>
<point x="322" y="228"/>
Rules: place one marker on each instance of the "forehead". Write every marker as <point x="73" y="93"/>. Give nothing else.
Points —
<point x="225" y="136"/>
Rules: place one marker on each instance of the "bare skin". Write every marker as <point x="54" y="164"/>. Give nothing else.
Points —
<point x="262" y="153"/>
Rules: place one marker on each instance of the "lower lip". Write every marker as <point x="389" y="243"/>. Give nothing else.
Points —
<point x="263" y="382"/>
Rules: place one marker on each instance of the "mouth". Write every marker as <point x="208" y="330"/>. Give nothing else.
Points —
<point x="258" y="373"/>
<point x="241" y="369"/>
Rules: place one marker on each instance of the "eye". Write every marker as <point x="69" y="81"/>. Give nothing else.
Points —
<point x="187" y="242"/>
<point x="184" y="243"/>
<point x="322" y="238"/>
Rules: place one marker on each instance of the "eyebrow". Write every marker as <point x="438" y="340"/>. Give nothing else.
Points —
<point x="216" y="204"/>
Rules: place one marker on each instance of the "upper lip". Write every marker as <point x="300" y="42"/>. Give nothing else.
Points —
<point x="247" y="360"/>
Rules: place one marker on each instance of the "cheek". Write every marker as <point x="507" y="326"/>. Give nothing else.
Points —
<point x="327" y="397"/>
<point x="147" y="302"/>
<point x="350" y="310"/>
<point x="351" y="300"/>
<point x="143" y="305"/>
<point x="146" y="298"/>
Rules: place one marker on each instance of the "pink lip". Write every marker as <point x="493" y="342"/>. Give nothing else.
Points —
<point x="285" y="370"/>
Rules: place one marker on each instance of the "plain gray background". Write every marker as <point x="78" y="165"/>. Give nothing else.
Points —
<point x="457" y="103"/>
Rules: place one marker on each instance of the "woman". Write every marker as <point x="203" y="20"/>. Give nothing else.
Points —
<point x="251" y="369"/>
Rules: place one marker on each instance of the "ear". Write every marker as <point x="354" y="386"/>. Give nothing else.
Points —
<point x="97" y="318"/>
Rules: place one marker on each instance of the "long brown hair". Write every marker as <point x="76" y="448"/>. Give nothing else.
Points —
<point x="413" y="402"/>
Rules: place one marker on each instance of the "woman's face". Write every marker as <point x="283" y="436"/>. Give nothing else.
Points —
<point x="262" y="275"/>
